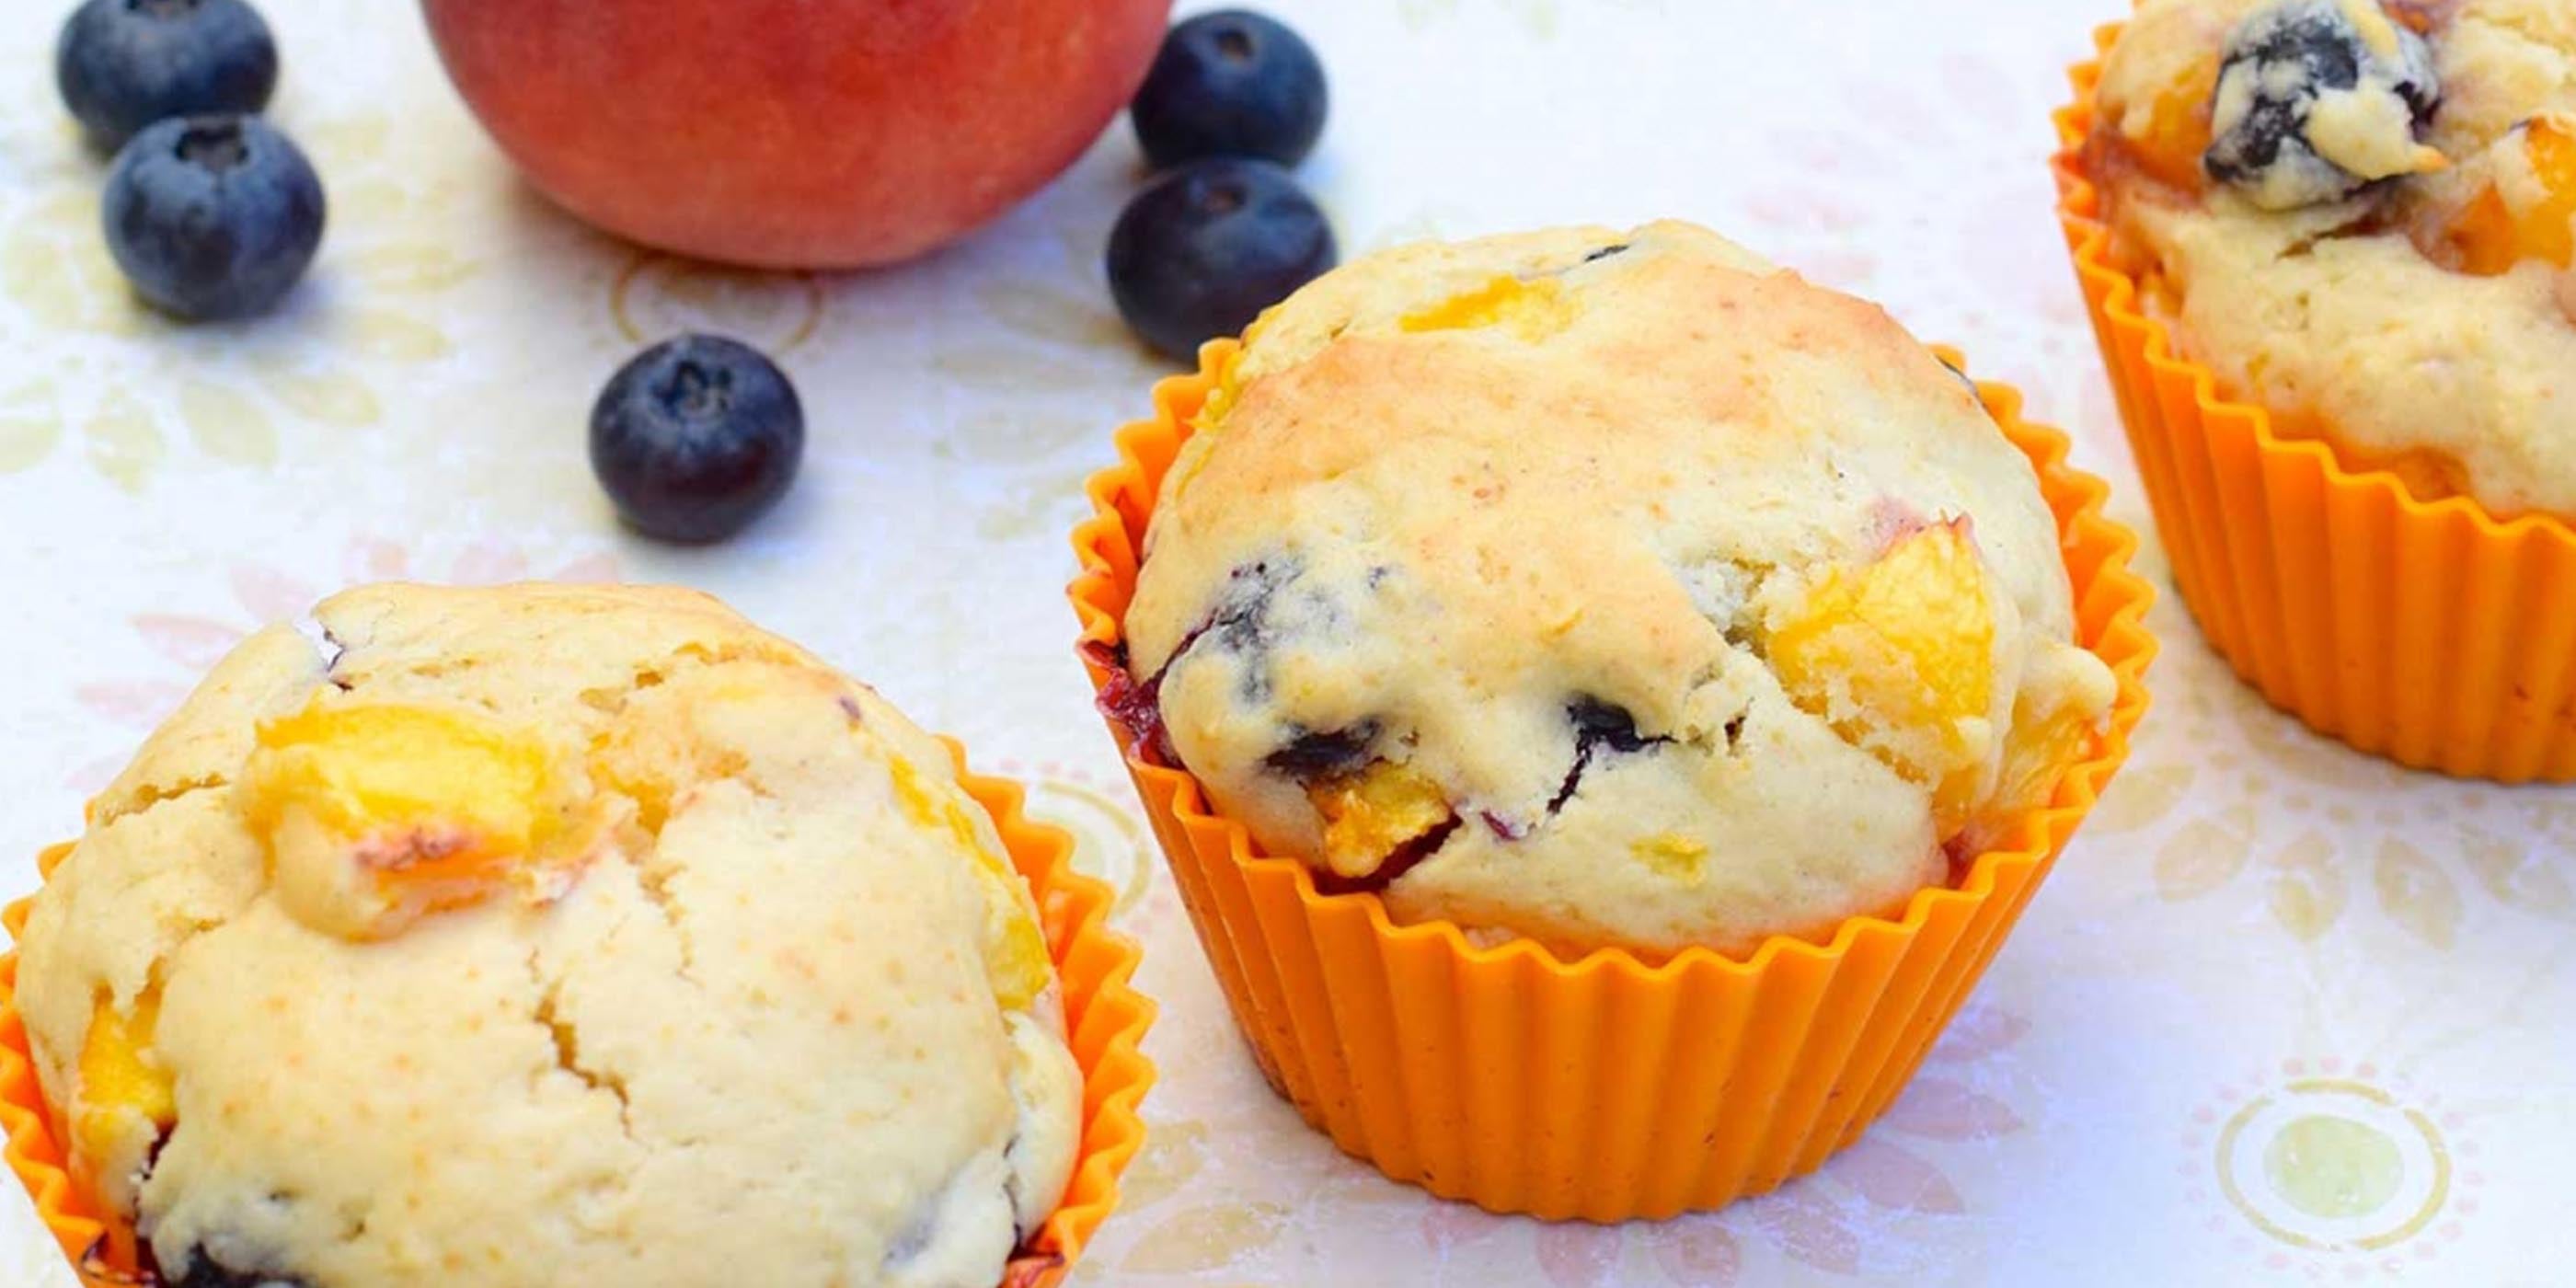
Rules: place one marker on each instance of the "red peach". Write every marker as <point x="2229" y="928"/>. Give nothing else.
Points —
<point x="794" y="133"/>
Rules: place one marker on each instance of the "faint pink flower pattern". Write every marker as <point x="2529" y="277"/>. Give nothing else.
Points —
<point x="1581" y="1256"/>
<point x="1821" y="151"/>
<point x="1889" y="1176"/>
<point x="1896" y="110"/>
<point x="1809" y="1227"/>
<point x="1455" y="1225"/>
<point x="594" y="568"/>
<point x="1803" y="207"/>
<point x="1846" y="268"/>
<point x="1941" y="1109"/>
<point x="271" y="596"/>
<point x="266" y="595"/>
<point x="377" y="559"/>
<point x="1979" y="88"/>
<point x="1697" y="1252"/>
<point x="1978" y="1032"/>
<point x="134" y="702"/>
<point x="487" y="564"/>
<point x="188" y="641"/>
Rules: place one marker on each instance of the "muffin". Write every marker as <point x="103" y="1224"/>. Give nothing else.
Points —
<point x="2357" y="217"/>
<point x="548" y="935"/>
<point x="2326" y="244"/>
<point x="1608" y="589"/>
<point x="1556" y="660"/>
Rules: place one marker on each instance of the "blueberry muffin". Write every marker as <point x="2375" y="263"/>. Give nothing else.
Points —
<point x="548" y="935"/>
<point x="2357" y="215"/>
<point x="1605" y="589"/>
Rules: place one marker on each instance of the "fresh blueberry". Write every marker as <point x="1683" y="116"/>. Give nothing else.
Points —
<point x="1230" y="84"/>
<point x="695" y="437"/>
<point x="123" y="64"/>
<point x="212" y="216"/>
<point x="1202" y="250"/>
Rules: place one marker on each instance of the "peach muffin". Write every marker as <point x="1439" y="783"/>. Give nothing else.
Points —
<point x="2357" y="215"/>
<point x="548" y="935"/>
<point x="1605" y="589"/>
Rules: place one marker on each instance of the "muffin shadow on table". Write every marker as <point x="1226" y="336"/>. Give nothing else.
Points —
<point x="2325" y="250"/>
<point x="538" y="933"/>
<point x="1603" y="700"/>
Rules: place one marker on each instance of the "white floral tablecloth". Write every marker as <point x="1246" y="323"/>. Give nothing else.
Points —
<point x="2284" y="1014"/>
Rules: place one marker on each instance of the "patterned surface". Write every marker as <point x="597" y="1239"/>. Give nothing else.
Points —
<point x="2284" y="1015"/>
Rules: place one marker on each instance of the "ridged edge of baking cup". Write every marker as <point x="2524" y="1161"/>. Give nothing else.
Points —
<point x="1105" y="1024"/>
<point x="2429" y="632"/>
<point x="1605" y="1088"/>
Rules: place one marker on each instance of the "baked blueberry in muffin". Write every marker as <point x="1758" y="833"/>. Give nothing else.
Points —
<point x="549" y="935"/>
<point x="2316" y="98"/>
<point x="1605" y="589"/>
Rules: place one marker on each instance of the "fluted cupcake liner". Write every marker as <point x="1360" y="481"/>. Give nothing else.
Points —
<point x="1105" y="1021"/>
<point x="1605" y="1088"/>
<point x="2426" y="631"/>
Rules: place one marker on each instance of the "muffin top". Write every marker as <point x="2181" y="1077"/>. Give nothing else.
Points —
<point x="549" y="935"/>
<point x="2358" y="215"/>
<point x="1607" y="589"/>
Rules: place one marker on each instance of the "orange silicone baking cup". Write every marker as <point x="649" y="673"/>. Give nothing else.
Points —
<point x="1605" y="1088"/>
<point x="2429" y="632"/>
<point x="1105" y="1021"/>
